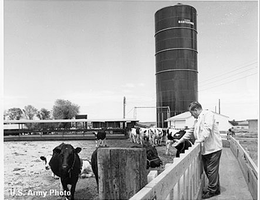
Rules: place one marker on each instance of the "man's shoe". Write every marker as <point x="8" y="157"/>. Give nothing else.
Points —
<point x="204" y="191"/>
<point x="217" y="192"/>
<point x="209" y="194"/>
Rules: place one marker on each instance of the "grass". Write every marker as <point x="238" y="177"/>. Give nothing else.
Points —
<point x="249" y="141"/>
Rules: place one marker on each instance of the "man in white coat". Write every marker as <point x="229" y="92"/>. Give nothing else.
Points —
<point x="205" y="131"/>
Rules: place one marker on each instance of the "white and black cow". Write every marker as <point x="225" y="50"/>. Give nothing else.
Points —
<point x="156" y="135"/>
<point x="100" y="137"/>
<point x="172" y="135"/>
<point x="169" y="138"/>
<point x="134" y="135"/>
<point x="153" y="159"/>
<point x="46" y="161"/>
<point x="139" y="135"/>
<point x="65" y="163"/>
<point x="85" y="172"/>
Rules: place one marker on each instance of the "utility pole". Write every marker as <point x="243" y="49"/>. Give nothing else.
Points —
<point x="219" y="106"/>
<point x="124" y="104"/>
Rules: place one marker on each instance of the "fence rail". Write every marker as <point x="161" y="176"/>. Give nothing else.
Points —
<point x="248" y="167"/>
<point x="183" y="179"/>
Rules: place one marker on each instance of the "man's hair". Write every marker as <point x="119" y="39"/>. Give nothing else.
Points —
<point x="193" y="105"/>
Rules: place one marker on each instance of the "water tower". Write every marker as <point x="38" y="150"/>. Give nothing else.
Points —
<point x="176" y="60"/>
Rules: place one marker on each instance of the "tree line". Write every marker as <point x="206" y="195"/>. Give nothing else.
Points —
<point x="62" y="109"/>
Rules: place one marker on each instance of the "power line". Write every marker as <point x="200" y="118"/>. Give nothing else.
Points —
<point x="228" y="82"/>
<point x="232" y="75"/>
<point x="243" y="66"/>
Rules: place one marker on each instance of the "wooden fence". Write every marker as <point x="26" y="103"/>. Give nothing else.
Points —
<point x="248" y="167"/>
<point x="183" y="179"/>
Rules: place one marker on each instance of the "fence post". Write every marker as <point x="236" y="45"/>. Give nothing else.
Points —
<point x="121" y="171"/>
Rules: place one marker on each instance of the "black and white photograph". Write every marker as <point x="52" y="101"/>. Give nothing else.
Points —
<point x="138" y="99"/>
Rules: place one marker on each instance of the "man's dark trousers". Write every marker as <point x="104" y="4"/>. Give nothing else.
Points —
<point x="211" y="168"/>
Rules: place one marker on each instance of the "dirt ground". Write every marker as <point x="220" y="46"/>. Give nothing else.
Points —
<point x="26" y="178"/>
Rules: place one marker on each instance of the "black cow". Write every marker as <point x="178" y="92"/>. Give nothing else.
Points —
<point x="100" y="137"/>
<point x="94" y="165"/>
<point x="153" y="159"/>
<point x="65" y="163"/>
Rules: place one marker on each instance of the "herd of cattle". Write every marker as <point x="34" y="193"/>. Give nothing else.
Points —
<point x="66" y="165"/>
<point x="155" y="136"/>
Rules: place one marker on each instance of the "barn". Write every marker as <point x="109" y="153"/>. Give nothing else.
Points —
<point x="185" y="120"/>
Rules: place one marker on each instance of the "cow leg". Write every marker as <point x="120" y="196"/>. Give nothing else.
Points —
<point x="154" y="139"/>
<point x="64" y="187"/>
<point x="134" y="138"/>
<point x="177" y="154"/>
<point x="72" y="189"/>
<point x="168" y="143"/>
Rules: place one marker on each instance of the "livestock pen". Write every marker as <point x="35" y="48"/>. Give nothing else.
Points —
<point x="64" y="129"/>
<point x="185" y="179"/>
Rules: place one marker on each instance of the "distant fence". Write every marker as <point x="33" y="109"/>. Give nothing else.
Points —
<point x="183" y="179"/>
<point x="248" y="167"/>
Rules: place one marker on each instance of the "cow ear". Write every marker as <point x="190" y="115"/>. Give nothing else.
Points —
<point x="78" y="149"/>
<point x="56" y="150"/>
<point x="43" y="158"/>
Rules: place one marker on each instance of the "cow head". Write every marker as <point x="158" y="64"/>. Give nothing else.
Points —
<point x="46" y="163"/>
<point x="153" y="159"/>
<point x="66" y="156"/>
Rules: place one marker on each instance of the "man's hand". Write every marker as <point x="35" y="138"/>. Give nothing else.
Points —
<point x="176" y="143"/>
<point x="198" y="141"/>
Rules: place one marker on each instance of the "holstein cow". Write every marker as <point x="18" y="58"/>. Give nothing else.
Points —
<point x="65" y="163"/>
<point x="47" y="166"/>
<point x="169" y="141"/>
<point x="172" y="135"/>
<point x="144" y="135"/>
<point x="134" y="135"/>
<point x="139" y="135"/>
<point x="85" y="172"/>
<point x="100" y="138"/>
<point x="156" y="135"/>
<point x="153" y="159"/>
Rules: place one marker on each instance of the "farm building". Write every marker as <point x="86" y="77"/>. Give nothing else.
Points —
<point x="242" y="125"/>
<point x="185" y="120"/>
<point x="252" y="125"/>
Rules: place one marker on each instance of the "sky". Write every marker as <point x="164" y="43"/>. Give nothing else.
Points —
<point x="95" y="53"/>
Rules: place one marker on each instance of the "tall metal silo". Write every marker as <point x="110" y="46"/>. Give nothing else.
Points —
<point x="176" y="60"/>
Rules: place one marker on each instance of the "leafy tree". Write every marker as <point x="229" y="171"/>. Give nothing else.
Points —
<point x="5" y="114"/>
<point x="64" y="109"/>
<point x="14" y="113"/>
<point x="29" y="112"/>
<point x="43" y="114"/>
